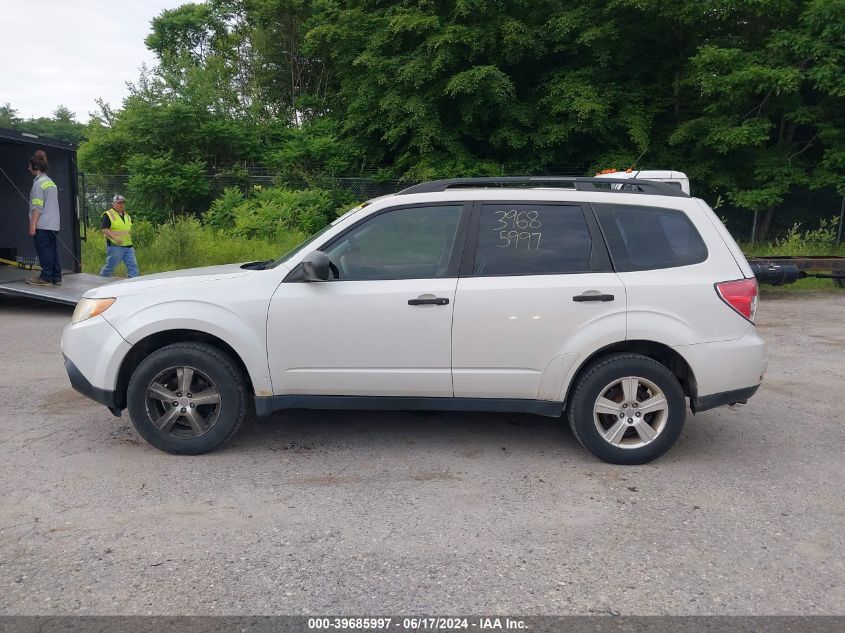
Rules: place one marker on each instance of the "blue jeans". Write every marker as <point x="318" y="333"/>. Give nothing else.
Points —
<point x="48" y="255"/>
<point x="117" y="254"/>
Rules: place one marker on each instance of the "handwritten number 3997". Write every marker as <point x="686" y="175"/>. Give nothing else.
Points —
<point x="518" y="222"/>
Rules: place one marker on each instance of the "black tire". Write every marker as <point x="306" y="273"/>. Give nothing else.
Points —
<point x="213" y="371"/>
<point x="601" y="373"/>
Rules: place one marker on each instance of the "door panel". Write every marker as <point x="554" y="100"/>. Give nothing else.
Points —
<point x="361" y="338"/>
<point x="508" y="331"/>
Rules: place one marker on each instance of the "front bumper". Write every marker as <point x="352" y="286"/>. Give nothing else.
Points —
<point x="94" y="351"/>
<point x="81" y="384"/>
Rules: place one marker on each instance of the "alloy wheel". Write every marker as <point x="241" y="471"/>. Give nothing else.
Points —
<point x="631" y="412"/>
<point x="183" y="402"/>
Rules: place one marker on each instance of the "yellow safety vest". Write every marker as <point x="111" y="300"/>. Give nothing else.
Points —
<point x="120" y="226"/>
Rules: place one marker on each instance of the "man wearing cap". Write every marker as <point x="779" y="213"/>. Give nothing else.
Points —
<point x="117" y="227"/>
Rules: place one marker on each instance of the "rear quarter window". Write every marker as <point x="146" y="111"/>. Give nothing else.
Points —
<point x="648" y="238"/>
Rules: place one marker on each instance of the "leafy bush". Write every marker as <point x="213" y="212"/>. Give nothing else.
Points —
<point x="221" y="214"/>
<point x="177" y="241"/>
<point x="143" y="233"/>
<point x="278" y="211"/>
<point x="818" y="241"/>
<point x="163" y="186"/>
<point x="187" y="243"/>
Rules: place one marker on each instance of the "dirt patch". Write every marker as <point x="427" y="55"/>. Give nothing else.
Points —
<point x="62" y="401"/>
<point x="830" y="340"/>
<point x="434" y="476"/>
<point x="323" y="480"/>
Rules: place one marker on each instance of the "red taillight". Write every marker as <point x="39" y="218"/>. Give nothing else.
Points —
<point x="741" y="295"/>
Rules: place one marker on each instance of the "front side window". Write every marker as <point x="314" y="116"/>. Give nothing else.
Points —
<point x="411" y="243"/>
<point x="532" y="239"/>
<point x="647" y="238"/>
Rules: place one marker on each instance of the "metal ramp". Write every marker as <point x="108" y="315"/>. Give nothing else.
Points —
<point x="74" y="285"/>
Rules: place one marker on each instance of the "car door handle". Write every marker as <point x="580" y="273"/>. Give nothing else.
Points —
<point x="437" y="301"/>
<point x="594" y="297"/>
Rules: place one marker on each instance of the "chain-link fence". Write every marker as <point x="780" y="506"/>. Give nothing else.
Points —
<point x="97" y="190"/>
<point x="806" y="207"/>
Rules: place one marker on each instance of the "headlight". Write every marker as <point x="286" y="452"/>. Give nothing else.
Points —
<point x="87" y="308"/>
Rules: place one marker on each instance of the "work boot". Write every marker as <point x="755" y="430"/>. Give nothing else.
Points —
<point x="38" y="281"/>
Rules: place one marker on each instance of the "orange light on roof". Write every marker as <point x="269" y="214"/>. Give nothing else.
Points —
<point x="629" y="170"/>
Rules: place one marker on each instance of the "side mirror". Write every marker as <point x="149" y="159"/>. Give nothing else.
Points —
<point x="315" y="266"/>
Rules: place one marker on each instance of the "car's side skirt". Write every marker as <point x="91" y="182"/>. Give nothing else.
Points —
<point x="267" y="405"/>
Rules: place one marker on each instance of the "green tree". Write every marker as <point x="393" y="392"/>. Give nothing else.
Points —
<point x="770" y="116"/>
<point x="161" y="186"/>
<point x="9" y="116"/>
<point x="62" y="125"/>
<point x="218" y="98"/>
<point x="474" y="87"/>
<point x="746" y="97"/>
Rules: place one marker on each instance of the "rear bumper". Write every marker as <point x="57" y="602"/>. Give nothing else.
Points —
<point x="703" y="403"/>
<point x="723" y="367"/>
<point x="81" y="384"/>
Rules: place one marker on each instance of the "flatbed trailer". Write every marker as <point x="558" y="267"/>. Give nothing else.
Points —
<point x="74" y="285"/>
<point x="17" y="251"/>
<point x="786" y="269"/>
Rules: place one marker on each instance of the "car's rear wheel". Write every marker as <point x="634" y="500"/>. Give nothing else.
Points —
<point x="627" y="409"/>
<point x="187" y="398"/>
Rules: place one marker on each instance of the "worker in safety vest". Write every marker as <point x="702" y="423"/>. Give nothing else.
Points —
<point x="44" y="222"/>
<point x="117" y="227"/>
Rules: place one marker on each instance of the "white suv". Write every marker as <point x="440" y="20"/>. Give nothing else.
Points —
<point x="550" y="296"/>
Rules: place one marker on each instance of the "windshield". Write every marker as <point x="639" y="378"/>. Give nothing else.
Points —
<point x="299" y="247"/>
<point x="308" y="241"/>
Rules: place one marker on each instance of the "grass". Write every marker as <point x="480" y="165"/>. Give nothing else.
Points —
<point x="798" y="241"/>
<point x="187" y="243"/>
<point x="802" y="285"/>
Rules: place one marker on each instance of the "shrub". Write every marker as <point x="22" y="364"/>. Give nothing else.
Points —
<point x="818" y="241"/>
<point x="143" y="233"/>
<point x="277" y="211"/>
<point x="812" y="241"/>
<point x="261" y="225"/>
<point x="186" y="243"/>
<point x="221" y="214"/>
<point x="161" y="187"/>
<point x="176" y="241"/>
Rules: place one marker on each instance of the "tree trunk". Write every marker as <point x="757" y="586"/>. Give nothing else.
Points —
<point x="765" y="222"/>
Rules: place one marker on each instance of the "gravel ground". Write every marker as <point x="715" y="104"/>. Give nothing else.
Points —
<point x="374" y="512"/>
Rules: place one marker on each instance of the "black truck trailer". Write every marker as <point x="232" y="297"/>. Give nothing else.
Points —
<point x="18" y="259"/>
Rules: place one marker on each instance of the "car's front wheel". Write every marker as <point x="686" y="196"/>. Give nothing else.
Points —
<point x="187" y="398"/>
<point x="627" y="409"/>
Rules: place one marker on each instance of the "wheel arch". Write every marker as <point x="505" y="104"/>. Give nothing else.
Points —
<point x="157" y="341"/>
<point x="659" y="352"/>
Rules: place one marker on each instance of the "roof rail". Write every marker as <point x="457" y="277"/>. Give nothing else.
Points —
<point x="579" y="183"/>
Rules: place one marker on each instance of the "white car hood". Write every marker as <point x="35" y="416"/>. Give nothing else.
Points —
<point x="170" y="279"/>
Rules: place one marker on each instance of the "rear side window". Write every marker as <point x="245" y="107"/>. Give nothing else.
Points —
<point x="532" y="239"/>
<point x="646" y="238"/>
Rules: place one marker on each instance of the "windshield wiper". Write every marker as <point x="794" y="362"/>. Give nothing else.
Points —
<point x="257" y="265"/>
